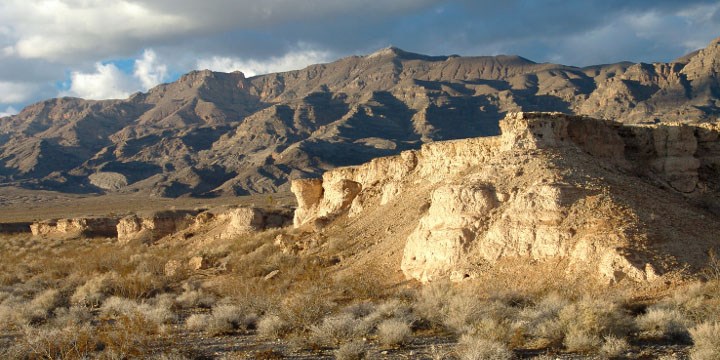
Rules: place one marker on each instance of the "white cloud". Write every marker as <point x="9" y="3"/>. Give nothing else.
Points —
<point x="65" y="30"/>
<point x="14" y="92"/>
<point x="70" y="29"/>
<point x="8" y="111"/>
<point x="292" y="60"/>
<point x="149" y="71"/>
<point x="107" y="82"/>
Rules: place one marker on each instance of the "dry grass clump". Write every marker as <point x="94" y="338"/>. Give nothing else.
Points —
<point x="95" y="290"/>
<point x="540" y="321"/>
<point x="393" y="332"/>
<point x="588" y="321"/>
<point x="224" y="319"/>
<point x="706" y="340"/>
<point x="272" y="327"/>
<point x="431" y="302"/>
<point x="613" y="348"/>
<point x="70" y="342"/>
<point x="194" y="295"/>
<point x="353" y="350"/>
<point x="696" y="302"/>
<point x="159" y="313"/>
<point x="477" y="348"/>
<point x="661" y="323"/>
<point x="336" y="329"/>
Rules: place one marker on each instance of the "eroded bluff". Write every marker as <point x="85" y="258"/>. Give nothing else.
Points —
<point x="637" y="202"/>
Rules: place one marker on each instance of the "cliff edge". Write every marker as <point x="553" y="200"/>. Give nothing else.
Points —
<point x="585" y="195"/>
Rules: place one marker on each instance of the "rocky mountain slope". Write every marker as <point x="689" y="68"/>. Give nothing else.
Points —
<point x="211" y="133"/>
<point x="554" y="193"/>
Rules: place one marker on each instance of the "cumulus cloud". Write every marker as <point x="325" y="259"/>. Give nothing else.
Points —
<point x="62" y="30"/>
<point x="69" y="29"/>
<point x="292" y="60"/>
<point x="8" y="111"/>
<point x="109" y="82"/>
<point x="149" y="71"/>
<point x="15" y="92"/>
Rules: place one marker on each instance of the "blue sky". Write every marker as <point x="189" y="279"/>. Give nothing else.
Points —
<point x="108" y="49"/>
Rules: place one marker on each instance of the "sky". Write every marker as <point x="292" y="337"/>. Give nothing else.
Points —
<point x="102" y="49"/>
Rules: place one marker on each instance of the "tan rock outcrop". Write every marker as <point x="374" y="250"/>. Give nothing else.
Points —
<point x="91" y="227"/>
<point x="152" y="227"/>
<point x="552" y="186"/>
<point x="244" y="220"/>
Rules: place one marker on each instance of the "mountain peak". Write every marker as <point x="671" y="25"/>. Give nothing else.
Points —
<point x="395" y="52"/>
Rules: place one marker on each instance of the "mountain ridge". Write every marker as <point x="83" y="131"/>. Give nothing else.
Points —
<point x="212" y="133"/>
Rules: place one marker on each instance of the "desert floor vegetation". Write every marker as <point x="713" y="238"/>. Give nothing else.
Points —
<point x="94" y="298"/>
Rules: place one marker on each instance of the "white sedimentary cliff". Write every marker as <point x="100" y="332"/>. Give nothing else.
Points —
<point x="552" y="186"/>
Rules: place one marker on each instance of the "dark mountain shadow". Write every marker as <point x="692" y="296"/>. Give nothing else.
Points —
<point x="202" y="138"/>
<point x="382" y="116"/>
<point x="133" y="170"/>
<point x="463" y="117"/>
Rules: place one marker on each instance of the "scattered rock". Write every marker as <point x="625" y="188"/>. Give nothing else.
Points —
<point x="197" y="263"/>
<point x="172" y="267"/>
<point x="271" y="275"/>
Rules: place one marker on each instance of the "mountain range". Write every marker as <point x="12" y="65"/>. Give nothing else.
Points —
<point x="213" y="134"/>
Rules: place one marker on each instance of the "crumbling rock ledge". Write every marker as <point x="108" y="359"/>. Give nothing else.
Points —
<point x="551" y="186"/>
<point x="86" y="226"/>
<point x="149" y="228"/>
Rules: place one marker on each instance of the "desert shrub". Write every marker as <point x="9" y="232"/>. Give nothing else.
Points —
<point x="197" y="322"/>
<point x="139" y="284"/>
<point x="541" y="320"/>
<point x="117" y="306"/>
<point x="712" y="269"/>
<point x="228" y="318"/>
<point x="613" y="347"/>
<point x="588" y="321"/>
<point x="42" y="305"/>
<point x="71" y="342"/>
<point x="697" y="302"/>
<point x="660" y="323"/>
<point x="304" y="309"/>
<point x="128" y="336"/>
<point x="393" y="332"/>
<point x="391" y="309"/>
<point x="706" y="340"/>
<point x="431" y="302"/>
<point x="476" y="348"/>
<point x="156" y="314"/>
<point x="195" y="296"/>
<point x="94" y="291"/>
<point x="491" y="320"/>
<point x="353" y="350"/>
<point x="71" y="316"/>
<point x="9" y="317"/>
<point x="358" y="310"/>
<point x="334" y="330"/>
<point x="173" y="355"/>
<point x="272" y="327"/>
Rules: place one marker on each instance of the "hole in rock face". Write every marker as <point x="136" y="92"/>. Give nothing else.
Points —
<point x="414" y="258"/>
<point x="466" y="276"/>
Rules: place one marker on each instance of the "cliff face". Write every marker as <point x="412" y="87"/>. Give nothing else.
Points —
<point x="214" y="133"/>
<point x="73" y="228"/>
<point x="594" y="193"/>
